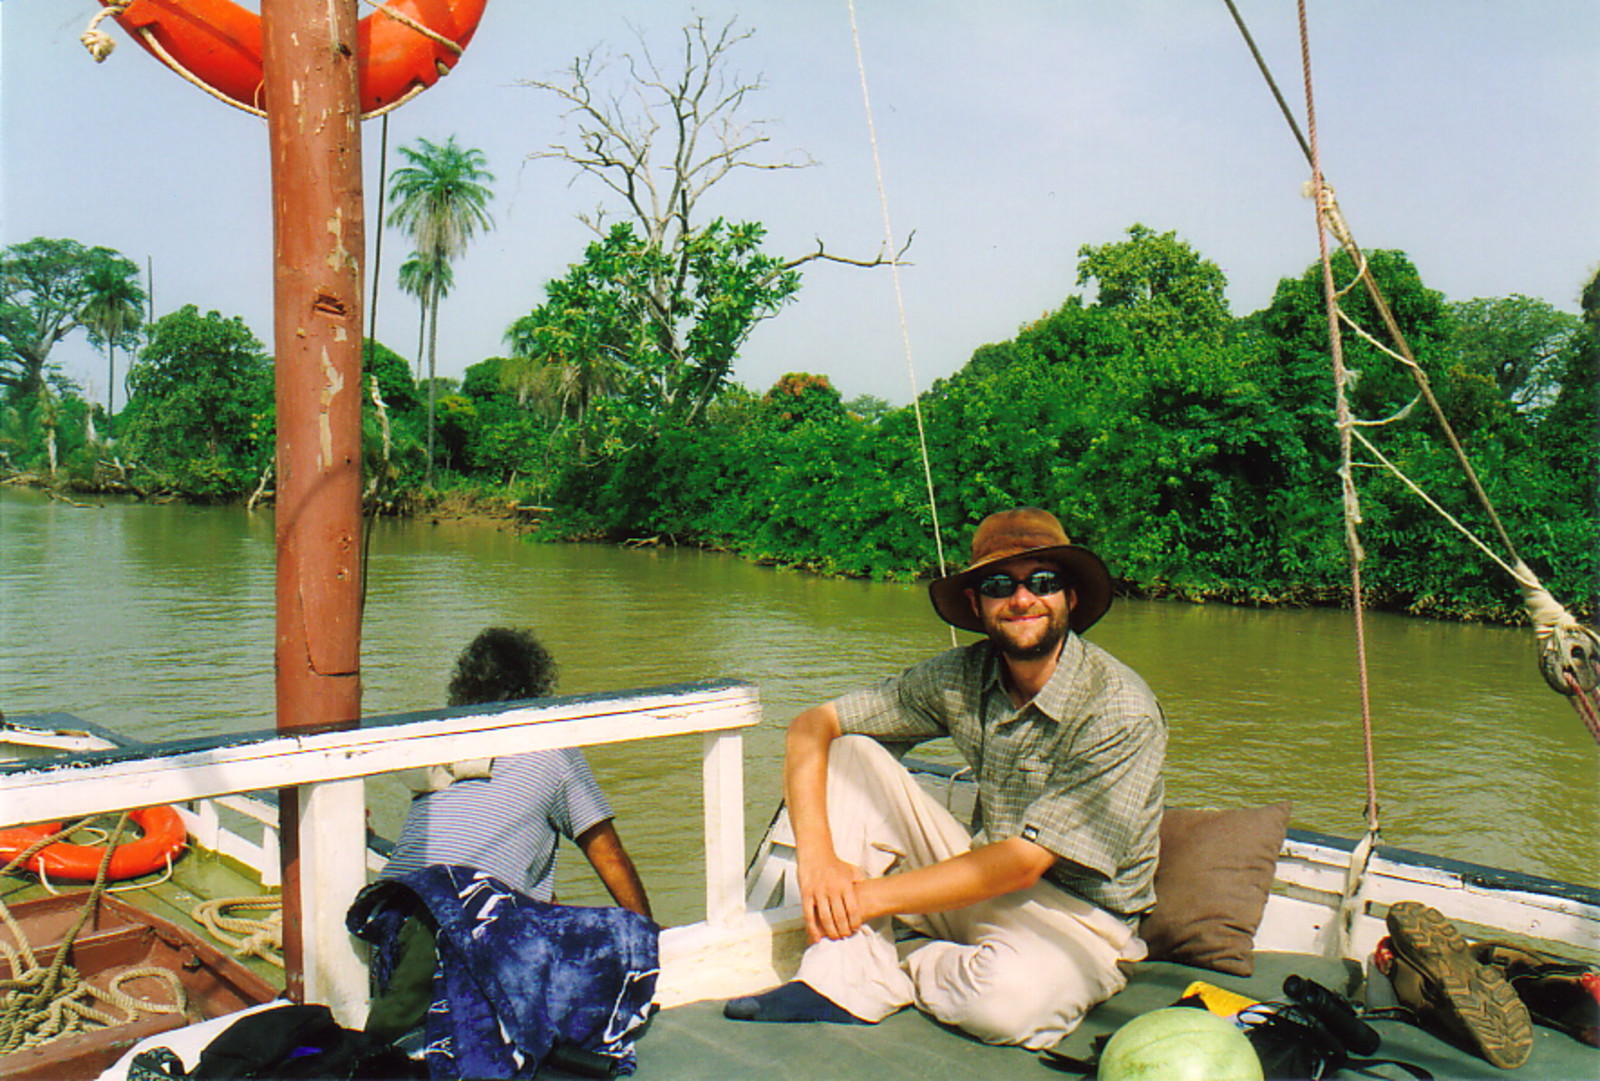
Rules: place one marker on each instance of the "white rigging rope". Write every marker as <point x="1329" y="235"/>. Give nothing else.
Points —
<point x="899" y="293"/>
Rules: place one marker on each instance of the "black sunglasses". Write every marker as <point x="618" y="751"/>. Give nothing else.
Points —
<point x="1040" y="583"/>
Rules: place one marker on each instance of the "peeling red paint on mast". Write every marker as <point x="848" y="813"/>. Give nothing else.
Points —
<point x="319" y="236"/>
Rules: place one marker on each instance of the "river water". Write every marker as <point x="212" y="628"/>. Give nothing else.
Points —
<point x="157" y="621"/>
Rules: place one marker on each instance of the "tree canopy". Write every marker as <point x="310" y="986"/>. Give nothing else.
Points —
<point x="1517" y="341"/>
<point x="46" y="286"/>
<point x="1157" y="284"/>
<point x="201" y="410"/>
<point x="1195" y="451"/>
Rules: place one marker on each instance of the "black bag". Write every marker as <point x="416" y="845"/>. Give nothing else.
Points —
<point x="1315" y="1034"/>
<point x="292" y="1042"/>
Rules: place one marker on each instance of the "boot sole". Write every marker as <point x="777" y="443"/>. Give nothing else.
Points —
<point x="1476" y="998"/>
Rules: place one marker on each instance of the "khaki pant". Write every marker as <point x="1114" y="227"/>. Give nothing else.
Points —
<point x="1022" y="968"/>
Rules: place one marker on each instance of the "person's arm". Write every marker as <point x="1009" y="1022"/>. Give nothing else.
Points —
<point x="612" y="863"/>
<point x="990" y="871"/>
<point x="836" y="897"/>
<point x="827" y="883"/>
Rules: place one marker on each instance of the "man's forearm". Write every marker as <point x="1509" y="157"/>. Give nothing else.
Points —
<point x="805" y="779"/>
<point x="612" y="863"/>
<point x="978" y="875"/>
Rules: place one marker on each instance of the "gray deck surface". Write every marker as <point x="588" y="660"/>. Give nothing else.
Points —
<point x="697" y="1042"/>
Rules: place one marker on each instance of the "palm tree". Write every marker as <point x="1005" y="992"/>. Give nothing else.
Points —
<point x="440" y="198"/>
<point x="422" y="277"/>
<point x="112" y="313"/>
<point x="572" y="350"/>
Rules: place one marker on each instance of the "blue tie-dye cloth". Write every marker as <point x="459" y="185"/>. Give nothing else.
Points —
<point x="516" y="977"/>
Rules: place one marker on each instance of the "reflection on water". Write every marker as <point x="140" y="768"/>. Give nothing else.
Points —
<point x="157" y="621"/>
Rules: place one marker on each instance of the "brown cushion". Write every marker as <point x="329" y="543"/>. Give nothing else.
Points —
<point x="1212" y="880"/>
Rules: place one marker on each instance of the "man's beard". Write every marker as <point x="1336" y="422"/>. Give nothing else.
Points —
<point x="1049" y="641"/>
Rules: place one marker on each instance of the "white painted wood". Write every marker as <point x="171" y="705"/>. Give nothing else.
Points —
<point x="701" y="961"/>
<point x="773" y="870"/>
<point x="385" y="745"/>
<point x="1309" y="877"/>
<point x="203" y="823"/>
<point x="333" y="840"/>
<point x="723" y="767"/>
<point x="288" y="760"/>
<point x="271" y="858"/>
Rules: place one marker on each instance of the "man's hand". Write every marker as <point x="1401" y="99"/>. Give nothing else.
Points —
<point x="828" y="897"/>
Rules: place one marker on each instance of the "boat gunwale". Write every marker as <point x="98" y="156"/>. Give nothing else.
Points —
<point x="132" y="750"/>
<point x="1477" y="875"/>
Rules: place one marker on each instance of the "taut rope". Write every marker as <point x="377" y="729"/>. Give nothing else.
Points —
<point x="1569" y="653"/>
<point x="1328" y="221"/>
<point x="899" y="294"/>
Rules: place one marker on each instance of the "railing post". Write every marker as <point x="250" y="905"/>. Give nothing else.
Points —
<point x="723" y="769"/>
<point x="333" y="843"/>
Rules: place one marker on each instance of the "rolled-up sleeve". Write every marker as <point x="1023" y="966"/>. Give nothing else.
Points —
<point x="908" y="708"/>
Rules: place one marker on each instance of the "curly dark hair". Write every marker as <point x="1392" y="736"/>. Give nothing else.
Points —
<point x="502" y="664"/>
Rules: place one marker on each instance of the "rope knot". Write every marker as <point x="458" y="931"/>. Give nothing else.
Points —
<point x="1328" y="210"/>
<point x="99" y="43"/>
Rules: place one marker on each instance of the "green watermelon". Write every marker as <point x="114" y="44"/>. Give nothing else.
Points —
<point x="1179" y="1044"/>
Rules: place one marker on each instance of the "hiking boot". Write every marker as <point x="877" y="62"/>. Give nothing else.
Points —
<point x="1559" y="993"/>
<point x="1436" y="975"/>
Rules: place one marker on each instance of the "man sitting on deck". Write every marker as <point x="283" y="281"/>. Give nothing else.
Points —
<point x="1028" y="920"/>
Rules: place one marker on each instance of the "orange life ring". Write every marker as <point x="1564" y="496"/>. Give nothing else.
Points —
<point x="164" y="837"/>
<point x="219" y="43"/>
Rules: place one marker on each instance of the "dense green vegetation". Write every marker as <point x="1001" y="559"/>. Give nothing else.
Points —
<point x="1193" y="449"/>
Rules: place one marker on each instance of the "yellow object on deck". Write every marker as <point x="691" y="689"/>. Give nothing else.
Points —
<point x="1218" y="1000"/>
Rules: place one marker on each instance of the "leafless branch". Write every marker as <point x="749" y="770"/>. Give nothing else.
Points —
<point x="897" y="259"/>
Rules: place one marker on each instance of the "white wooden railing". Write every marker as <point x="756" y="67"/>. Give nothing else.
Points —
<point x="327" y="768"/>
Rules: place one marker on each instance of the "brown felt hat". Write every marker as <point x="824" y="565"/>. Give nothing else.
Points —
<point x="1024" y="531"/>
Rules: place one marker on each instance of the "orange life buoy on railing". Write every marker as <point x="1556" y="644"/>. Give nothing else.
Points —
<point x="218" y="44"/>
<point x="164" y="837"/>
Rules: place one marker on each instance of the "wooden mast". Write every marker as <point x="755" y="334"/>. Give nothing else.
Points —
<point x="318" y="227"/>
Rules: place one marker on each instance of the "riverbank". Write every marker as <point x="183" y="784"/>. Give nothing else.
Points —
<point x="507" y="512"/>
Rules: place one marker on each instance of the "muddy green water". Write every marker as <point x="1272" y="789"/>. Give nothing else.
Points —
<point x="157" y="621"/>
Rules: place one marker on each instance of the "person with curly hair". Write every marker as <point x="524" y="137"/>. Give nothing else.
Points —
<point x="508" y="823"/>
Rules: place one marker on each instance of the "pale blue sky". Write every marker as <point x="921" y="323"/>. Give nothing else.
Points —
<point x="1463" y="132"/>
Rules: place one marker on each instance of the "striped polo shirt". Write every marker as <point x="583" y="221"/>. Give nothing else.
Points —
<point x="505" y="825"/>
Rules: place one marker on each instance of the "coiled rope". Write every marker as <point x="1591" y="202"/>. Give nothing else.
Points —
<point x="41" y="1003"/>
<point x="261" y="938"/>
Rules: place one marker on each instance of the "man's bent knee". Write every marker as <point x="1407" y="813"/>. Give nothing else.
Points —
<point x="995" y="993"/>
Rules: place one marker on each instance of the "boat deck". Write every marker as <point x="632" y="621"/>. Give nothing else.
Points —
<point x="696" y="1042"/>
<point x="195" y="878"/>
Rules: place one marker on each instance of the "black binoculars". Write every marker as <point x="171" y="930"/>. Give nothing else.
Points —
<point x="1335" y="1013"/>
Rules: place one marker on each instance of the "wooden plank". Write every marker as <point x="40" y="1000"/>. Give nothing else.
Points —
<point x="184" y="770"/>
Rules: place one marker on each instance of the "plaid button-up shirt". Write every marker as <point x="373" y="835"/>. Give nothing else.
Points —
<point x="1077" y="770"/>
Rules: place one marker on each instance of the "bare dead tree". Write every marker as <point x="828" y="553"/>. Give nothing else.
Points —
<point x="660" y="138"/>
